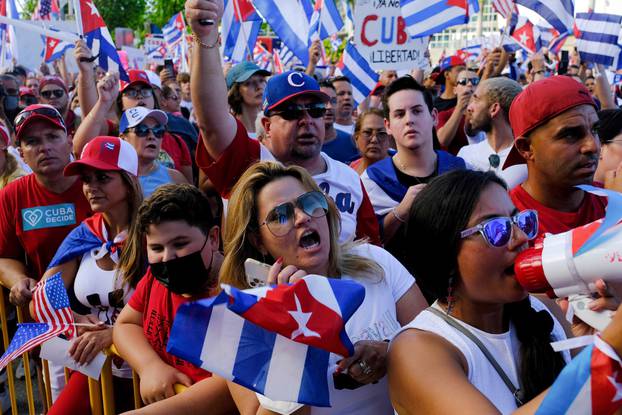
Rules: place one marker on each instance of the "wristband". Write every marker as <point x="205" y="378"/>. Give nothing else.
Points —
<point x="394" y="211"/>
<point x="205" y="45"/>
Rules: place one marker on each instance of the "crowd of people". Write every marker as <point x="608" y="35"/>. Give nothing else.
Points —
<point x="424" y="193"/>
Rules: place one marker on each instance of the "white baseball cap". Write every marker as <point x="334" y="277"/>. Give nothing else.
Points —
<point x="134" y="116"/>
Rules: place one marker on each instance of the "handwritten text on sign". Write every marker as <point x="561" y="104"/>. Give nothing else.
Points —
<point x="380" y="35"/>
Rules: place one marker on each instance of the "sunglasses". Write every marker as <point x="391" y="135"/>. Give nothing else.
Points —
<point x="494" y="160"/>
<point x="464" y="81"/>
<point x="135" y="93"/>
<point x="44" y="111"/>
<point x="142" y="130"/>
<point x="296" y="112"/>
<point x="497" y="232"/>
<point x="58" y="93"/>
<point x="280" y="220"/>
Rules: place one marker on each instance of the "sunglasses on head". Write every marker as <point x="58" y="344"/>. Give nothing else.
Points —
<point x="497" y="232"/>
<point x="296" y="112"/>
<point x="280" y="220"/>
<point x="57" y="93"/>
<point x="44" y="111"/>
<point x="465" y="81"/>
<point x="141" y="130"/>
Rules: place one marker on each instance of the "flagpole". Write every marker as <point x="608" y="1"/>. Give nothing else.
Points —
<point x="67" y="36"/>
<point x="236" y="9"/>
<point x="4" y="46"/>
<point x="77" y="11"/>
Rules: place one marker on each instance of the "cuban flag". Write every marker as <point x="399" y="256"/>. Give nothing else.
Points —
<point x="52" y="310"/>
<point x="263" y="58"/>
<point x="426" y="17"/>
<point x="287" y="57"/>
<point x="325" y="20"/>
<point x="353" y="65"/>
<point x="55" y="48"/>
<point x="470" y="53"/>
<point x="7" y="32"/>
<point x="174" y="29"/>
<point x="273" y="340"/>
<point x="98" y="39"/>
<point x="240" y="27"/>
<point x="290" y="21"/>
<point x="598" y="38"/>
<point x="590" y="384"/>
<point x="90" y="234"/>
<point x="558" y="13"/>
<point x="525" y="33"/>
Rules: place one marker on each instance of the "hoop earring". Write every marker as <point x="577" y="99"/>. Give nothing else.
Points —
<point x="451" y="300"/>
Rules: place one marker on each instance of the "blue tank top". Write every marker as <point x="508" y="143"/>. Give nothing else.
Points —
<point x="149" y="183"/>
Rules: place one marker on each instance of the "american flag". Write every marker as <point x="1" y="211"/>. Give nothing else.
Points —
<point x="46" y="9"/>
<point x="504" y="7"/>
<point x="52" y="309"/>
<point x="51" y="304"/>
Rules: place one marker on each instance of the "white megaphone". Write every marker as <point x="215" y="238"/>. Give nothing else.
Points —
<point x="569" y="264"/>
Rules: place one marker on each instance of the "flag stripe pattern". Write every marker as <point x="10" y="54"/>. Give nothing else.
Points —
<point x="28" y="336"/>
<point x="239" y="36"/>
<point x="266" y="339"/>
<point x="363" y="77"/>
<point x="597" y="38"/>
<point x="590" y="384"/>
<point x="504" y="7"/>
<point x="558" y="13"/>
<point x="426" y="17"/>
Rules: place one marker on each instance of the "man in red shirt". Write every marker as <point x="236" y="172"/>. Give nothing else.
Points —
<point x="37" y="211"/>
<point x="554" y="123"/>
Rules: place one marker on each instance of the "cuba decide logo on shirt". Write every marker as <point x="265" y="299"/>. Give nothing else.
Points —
<point x="41" y="217"/>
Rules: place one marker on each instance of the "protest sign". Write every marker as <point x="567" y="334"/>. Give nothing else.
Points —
<point x="155" y="49"/>
<point x="381" y="37"/>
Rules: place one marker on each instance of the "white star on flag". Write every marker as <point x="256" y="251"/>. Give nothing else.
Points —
<point x="524" y="38"/>
<point x="53" y="42"/>
<point x="93" y="8"/>
<point x="618" y="387"/>
<point x="302" y="319"/>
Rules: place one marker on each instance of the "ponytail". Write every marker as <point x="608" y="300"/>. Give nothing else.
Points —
<point x="539" y="365"/>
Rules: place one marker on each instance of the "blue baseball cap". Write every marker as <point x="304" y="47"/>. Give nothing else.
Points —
<point x="242" y="71"/>
<point x="287" y="85"/>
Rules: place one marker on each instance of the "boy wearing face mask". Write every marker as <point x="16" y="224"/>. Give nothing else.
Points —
<point x="182" y="240"/>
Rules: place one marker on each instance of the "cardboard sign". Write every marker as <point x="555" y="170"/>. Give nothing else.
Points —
<point x="380" y="35"/>
<point x="155" y="50"/>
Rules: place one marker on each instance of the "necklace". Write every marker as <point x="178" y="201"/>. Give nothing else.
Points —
<point x="402" y="167"/>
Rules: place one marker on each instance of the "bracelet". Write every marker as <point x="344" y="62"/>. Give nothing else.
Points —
<point x="394" y="211"/>
<point x="205" y="45"/>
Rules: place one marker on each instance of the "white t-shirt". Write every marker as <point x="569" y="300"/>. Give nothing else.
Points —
<point x="345" y="128"/>
<point x="476" y="158"/>
<point x="375" y="319"/>
<point x="504" y="347"/>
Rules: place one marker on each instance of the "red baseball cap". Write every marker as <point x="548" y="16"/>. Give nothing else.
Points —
<point x="136" y="77"/>
<point x="52" y="80"/>
<point x="37" y="112"/>
<point x="448" y="63"/>
<point x="24" y="90"/>
<point x="106" y="153"/>
<point x="545" y="99"/>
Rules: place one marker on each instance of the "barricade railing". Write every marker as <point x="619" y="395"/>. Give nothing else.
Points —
<point x="101" y="391"/>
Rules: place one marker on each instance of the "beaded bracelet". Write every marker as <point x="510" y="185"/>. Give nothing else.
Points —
<point x="205" y="45"/>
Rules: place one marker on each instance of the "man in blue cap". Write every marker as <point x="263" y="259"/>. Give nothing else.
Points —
<point x="293" y="109"/>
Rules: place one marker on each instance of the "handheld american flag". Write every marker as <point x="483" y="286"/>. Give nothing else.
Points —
<point x="52" y="310"/>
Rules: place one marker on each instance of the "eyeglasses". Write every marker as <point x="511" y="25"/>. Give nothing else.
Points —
<point x="497" y="232"/>
<point x="296" y="112"/>
<point x="135" y="93"/>
<point x="464" y="81"/>
<point x="141" y="130"/>
<point x="280" y="220"/>
<point x="44" y="111"/>
<point x="494" y="160"/>
<point x="380" y="135"/>
<point x="58" y="93"/>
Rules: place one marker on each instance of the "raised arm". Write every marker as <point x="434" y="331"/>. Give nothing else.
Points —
<point x="95" y="122"/>
<point x="87" y="89"/>
<point x="207" y="82"/>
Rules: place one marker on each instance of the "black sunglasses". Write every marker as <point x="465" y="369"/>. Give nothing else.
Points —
<point x="494" y="160"/>
<point x="44" y="111"/>
<point x="142" y="130"/>
<point x="296" y="112"/>
<point x="464" y="81"/>
<point x="58" y="93"/>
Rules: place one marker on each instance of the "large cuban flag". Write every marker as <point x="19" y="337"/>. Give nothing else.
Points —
<point x="273" y="340"/>
<point x="426" y="17"/>
<point x="290" y="21"/>
<point x="558" y="13"/>
<point x="240" y="27"/>
<point x="598" y="38"/>
<point x="363" y="78"/>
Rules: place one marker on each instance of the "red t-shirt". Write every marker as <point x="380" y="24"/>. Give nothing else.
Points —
<point x="158" y="306"/>
<point x="339" y="181"/>
<point x="553" y="221"/>
<point x="34" y="221"/>
<point x="460" y="139"/>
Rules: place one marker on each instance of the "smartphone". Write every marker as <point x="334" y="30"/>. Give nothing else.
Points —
<point x="256" y="273"/>
<point x="563" y="63"/>
<point x="168" y="64"/>
<point x="344" y="381"/>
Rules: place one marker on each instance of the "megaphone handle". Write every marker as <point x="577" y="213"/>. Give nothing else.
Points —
<point x="597" y="319"/>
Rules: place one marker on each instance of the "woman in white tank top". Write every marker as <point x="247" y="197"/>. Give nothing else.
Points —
<point x="88" y="258"/>
<point x="465" y="234"/>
